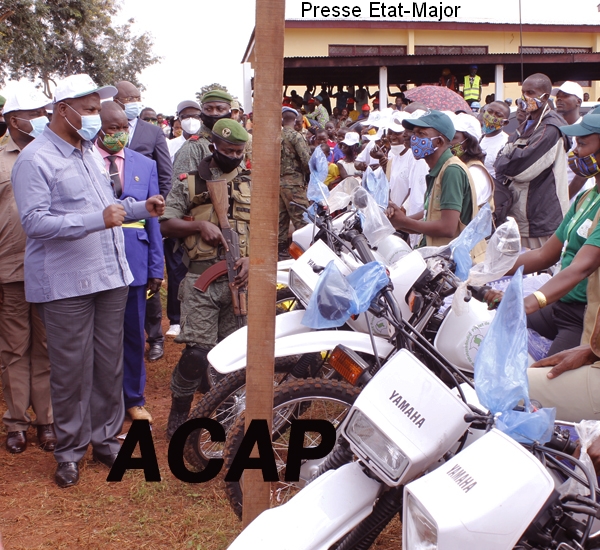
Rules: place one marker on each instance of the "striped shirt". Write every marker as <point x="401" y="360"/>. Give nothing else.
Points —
<point x="61" y="192"/>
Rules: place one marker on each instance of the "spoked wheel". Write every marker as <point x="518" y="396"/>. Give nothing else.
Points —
<point x="226" y="401"/>
<point x="286" y="301"/>
<point x="312" y="398"/>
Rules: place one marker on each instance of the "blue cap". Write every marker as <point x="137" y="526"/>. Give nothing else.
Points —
<point x="590" y="124"/>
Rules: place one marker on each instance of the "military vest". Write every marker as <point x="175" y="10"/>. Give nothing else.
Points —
<point x="201" y="209"/>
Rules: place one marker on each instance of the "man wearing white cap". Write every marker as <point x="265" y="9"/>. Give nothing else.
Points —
<point x="76" y="272"/>
<point x="569" y="96"/>
<point x="23" y="352"/>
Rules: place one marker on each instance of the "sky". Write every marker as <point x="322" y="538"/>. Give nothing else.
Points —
<point x="202" y="42"/>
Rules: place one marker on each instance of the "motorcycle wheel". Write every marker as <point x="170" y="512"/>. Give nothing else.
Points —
<point x="224" y="403"/>
<point x="310" y="398"/>
<point x="286" y="301"/>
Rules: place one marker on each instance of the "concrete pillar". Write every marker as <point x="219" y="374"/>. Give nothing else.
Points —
<point x="247" y="98"/>
<point x="410" y="47"/>
<point x="499" y="94"/>
<point x="383" y="86"/>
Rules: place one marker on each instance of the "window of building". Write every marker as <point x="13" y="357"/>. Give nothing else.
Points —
<point x="553" y="49"/>
<point x="451" y="50"/>
<point x="350" y="50"/>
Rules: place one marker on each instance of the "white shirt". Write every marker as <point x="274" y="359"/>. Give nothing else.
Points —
<point x="483" y="187"/>
<point x="174" y="145"/>
<point x="399" y="175"/>
<point x="132" y="127"/>
<point x="491" y="146"/>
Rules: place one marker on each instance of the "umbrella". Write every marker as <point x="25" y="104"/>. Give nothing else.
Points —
<point x="438" y="97"/>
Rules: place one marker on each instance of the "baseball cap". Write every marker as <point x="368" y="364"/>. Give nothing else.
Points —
<point x="80" y="85"/>
<point x="25" y="99"/>
<point x="590" y="124"/>
<point x="396" y="121"/>
<point x="351" y="138"/>
<point x="187" y="103"/>
<point x="571" y="88"/>
<point x="365" y="107"/>
<point x="433" y="119"/>
<point x="235" y="104"/>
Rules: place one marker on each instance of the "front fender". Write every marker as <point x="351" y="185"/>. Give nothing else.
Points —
<point x="308" y="341"/>
<point x="317" y="516"/>
<point x="233" y="349"/>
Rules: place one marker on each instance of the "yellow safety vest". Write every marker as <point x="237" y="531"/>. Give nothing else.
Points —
<point x="472" y="92"/>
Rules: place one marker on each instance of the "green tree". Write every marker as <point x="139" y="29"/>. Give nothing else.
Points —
<point x="208" y="88"/>
<point x="50" y="39"/>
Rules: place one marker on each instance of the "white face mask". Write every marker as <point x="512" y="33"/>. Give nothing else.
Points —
<point x="190" y="125"/>
<point x="397" y="149"/>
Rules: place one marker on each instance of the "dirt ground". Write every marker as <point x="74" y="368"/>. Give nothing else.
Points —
<point x="132" y="514"/>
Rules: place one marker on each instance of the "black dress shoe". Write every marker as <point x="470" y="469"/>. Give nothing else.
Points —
<point x="107" y="460"/>
<point x="46" y="437"/>
<point x="67" y="474"/>
<point x="16" y="442"/>
<point x="156" y="352"/>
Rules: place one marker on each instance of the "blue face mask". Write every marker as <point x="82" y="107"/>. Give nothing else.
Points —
<point x="90" y="125"/>
<point x="133" y="110"/>
<point x="37" y="124"/>
<point x="422" y="147"/>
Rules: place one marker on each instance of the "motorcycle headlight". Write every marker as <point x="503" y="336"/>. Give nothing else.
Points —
<point x="376" y="445"/>
<point x="300" y="288"/>
<point x="420" y="530"/>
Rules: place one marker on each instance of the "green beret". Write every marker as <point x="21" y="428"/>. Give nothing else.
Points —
<point x="2" y="101"/>
<point x="217" y="95"/>
<point x="230" y="131"/>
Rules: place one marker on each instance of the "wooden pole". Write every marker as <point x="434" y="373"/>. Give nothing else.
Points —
<point x="270" y="21"/>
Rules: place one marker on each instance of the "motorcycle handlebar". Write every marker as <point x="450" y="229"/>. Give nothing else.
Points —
<point x="360" y="243"/>
<point x="479" y="292"/>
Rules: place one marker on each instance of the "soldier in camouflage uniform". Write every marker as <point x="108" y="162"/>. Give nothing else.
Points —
<point x="295" y="155"/>
<point x="206" y="317"/>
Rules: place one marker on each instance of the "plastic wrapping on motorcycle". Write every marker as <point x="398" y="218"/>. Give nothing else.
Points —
<point x="317" y="191"/>
<point x="317" y="516"/>
<point x="483" y="498"/>
<point x="478" y="229"/>
<point x="501" y="254"/>
<point x="336" y="298"/>
<point x="377" y="185"/>
<point x="375" y="224"/>
<point x="501" y="371"/>
<point x="588" y="431"/>
<point x="341" y="195"/>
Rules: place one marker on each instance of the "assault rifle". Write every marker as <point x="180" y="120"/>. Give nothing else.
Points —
<point x="220" y="200"/>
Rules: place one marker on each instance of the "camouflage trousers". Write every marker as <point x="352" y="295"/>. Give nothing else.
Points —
<point x="289" y="192"/>
<point x="206" y="317"/>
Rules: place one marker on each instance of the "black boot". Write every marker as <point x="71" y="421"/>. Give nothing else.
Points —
<point x="180" y="408"/>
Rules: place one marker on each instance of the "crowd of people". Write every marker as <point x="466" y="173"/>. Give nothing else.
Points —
<point x="99" y="196"/>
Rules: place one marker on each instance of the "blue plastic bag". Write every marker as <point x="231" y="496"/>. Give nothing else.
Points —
<point x="367" y="281"/>
<point x="336" y="297"/>
<point x="317" y="191"/>
<point x="501" y="371"/>
<point x="377" y="185"/>
<point x="478" y="229"/>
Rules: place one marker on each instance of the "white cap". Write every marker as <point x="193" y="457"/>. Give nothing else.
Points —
<point x="571" y="88"/>
<point x="351" y="138"/>
<point x="466" y="123"/>
<point x="80" y="85"/>
<point x="185" y="104"/>
<point x="396" y="122"/>
<point x="25" y="98"/>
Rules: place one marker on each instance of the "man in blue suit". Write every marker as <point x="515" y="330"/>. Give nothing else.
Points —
<point x="149" y="140"/>
<point x="133" y="175"/>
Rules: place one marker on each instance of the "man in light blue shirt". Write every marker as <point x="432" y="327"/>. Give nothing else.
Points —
<point x="77" y="273"/>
